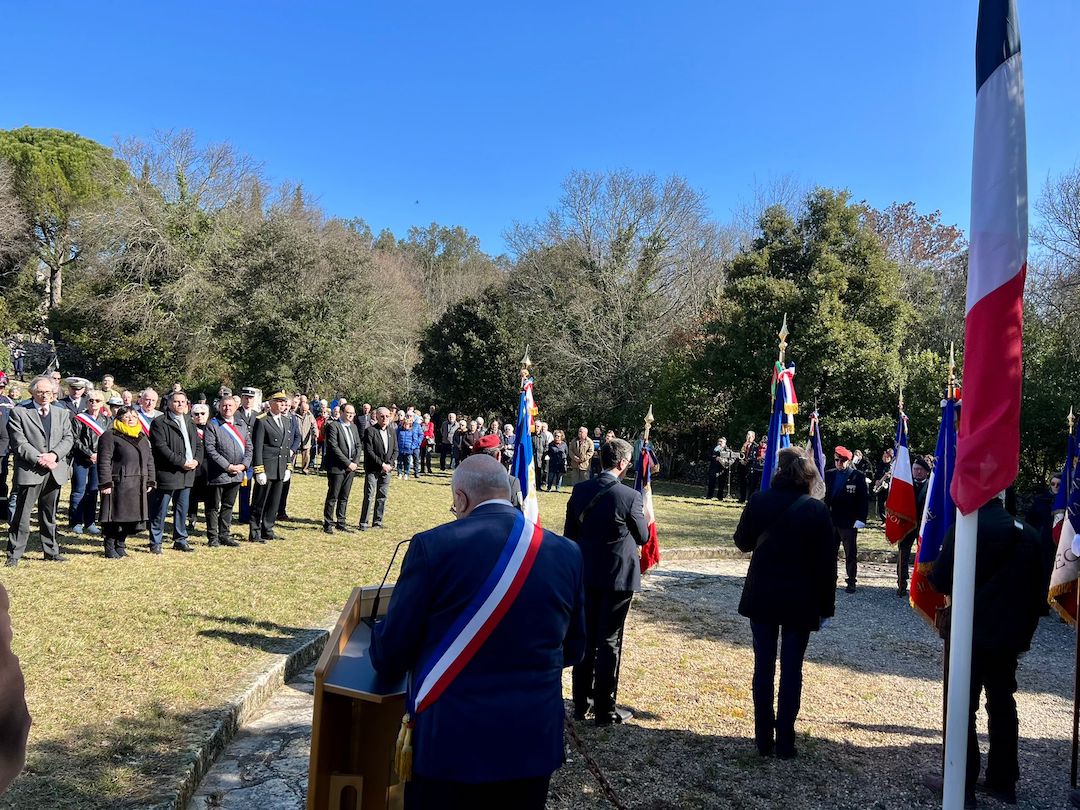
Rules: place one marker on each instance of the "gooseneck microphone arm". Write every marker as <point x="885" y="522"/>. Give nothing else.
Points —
<point x="378" y="594"/>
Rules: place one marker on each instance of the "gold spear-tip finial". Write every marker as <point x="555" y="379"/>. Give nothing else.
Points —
<point x="901" y="398"/>
<point x="526" y="363"/>
<point x="649" y="417"/>
<point x="1071" y="419"/>
<point x="783" y="335"/>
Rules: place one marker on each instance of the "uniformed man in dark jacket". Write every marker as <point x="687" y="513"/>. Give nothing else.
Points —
<point x="274" y="440"/>
<point x="1010" y="590"/>
<point x="848" y="502"/>
<point x="606" y="519"/>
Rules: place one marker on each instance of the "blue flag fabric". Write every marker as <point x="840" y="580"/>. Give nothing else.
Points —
<point x="1061" y="500"/>
<point x="782" y="422"/>
<point x="817" y="451"/>
<point x="522" y="465"/>
<point x="938" y="516"/>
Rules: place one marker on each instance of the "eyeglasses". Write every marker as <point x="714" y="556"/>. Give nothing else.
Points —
<point x="453" y="509"/>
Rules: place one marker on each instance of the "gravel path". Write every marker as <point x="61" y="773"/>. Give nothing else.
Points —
<point x="871" y="712"/>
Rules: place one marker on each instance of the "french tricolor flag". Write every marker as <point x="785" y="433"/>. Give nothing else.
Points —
<point x="988" y="452"/>
<point x="900" y="517"/>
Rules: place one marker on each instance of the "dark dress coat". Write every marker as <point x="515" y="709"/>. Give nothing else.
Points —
<point x="610" y="533"/>
<point x="1010" y="584"/>
<point x="168" y="446"/>
<point x="127" y="465"/>
<point x="846" y="496"/>
<point x="792" y="576"/>
<point x="502" y="718"/>
<point x="376" y="453"/>
<point x="272" y="447"/>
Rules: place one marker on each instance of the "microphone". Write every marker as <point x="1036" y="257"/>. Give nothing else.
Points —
<point x="378" y="594"/>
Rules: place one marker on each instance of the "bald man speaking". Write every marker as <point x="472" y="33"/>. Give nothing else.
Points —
<point x="488" y="611"/>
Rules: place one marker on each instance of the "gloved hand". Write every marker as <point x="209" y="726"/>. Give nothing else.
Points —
<point x="859" y="524"/>
<point x="288" y="474"/>
<point x="260" y="479"/>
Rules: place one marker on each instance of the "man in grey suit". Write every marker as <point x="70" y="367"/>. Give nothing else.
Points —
<point x="41" y="439"/>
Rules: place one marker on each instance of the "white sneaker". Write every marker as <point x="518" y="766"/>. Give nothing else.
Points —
<point x="77" y="528"/>
<point x="93" y="529"/>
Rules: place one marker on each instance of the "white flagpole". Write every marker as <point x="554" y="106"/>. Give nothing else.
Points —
<point x="963" y="614"/>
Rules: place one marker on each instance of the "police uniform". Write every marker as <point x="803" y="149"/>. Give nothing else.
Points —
<point x="274" y="439"/>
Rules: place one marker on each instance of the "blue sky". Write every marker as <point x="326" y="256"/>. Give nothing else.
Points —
<point x="473" y="113"/>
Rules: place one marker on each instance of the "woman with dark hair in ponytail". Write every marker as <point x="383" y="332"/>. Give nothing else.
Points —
<point x="789" y="590"/>
<point x="125" y="474"/>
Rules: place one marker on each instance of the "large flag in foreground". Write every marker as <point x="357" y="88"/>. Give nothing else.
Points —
<point x="522" y="466"/>
<point x="1066" y="573"/>
<point x="988" y="454"/>
<point x="650" y="552"/>
<point x="900" y="517"/>
<point x="938" y="516"/>
<point x="814" y="445"/>
<point x="782" y="423"/>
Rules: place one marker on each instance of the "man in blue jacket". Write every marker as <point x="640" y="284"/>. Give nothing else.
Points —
<point x="493" y="735"/>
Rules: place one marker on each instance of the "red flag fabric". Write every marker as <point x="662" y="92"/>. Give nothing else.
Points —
<point x="988" y="452"/>
<point x="900" y="517"/>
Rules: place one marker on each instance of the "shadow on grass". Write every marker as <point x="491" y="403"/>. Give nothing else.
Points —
<point x="265" y="636"/>
<point x="134" y="761"/>
<point x="671" y="769"/>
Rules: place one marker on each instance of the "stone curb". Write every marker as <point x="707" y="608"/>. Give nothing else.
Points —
<point x="237" y="712"/>
<point x="877" y="555"/>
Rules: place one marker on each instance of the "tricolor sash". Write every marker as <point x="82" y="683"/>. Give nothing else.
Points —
<point x="233" y="433"/>
<point x="144" y="420"/>
<point x="480" y="618"/>
<point x="90" y="422"/>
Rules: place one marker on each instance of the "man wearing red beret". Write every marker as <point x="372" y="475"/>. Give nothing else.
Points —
<point x="490" y="446"/>
<point x="848" y="502"/>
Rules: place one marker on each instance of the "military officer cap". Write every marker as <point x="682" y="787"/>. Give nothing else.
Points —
<point x="249" y="391"/>
<point x="224" y="391"/>
<point x="77" y="382"/>
<point x="279" y="395"/>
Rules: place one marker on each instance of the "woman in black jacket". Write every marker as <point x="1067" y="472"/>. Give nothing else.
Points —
<point x="789" y="588"/>
<point x="125" y="473"/>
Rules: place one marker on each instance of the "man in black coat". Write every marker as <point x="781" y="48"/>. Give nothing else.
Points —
<point x="380" y="455"/>
<point x="341" y="460"/>
<point x="1010" y="591"/>
<point x="848" y="502"/>
<point x="274" y="440"/>
<point x="228" y="457"/>
<point x="606" y="519"/>
<point x="178" y="451"/>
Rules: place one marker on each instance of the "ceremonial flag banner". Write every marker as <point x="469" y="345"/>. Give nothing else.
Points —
<point x="938" y="517"/>
<point x="1063" y="579"/>
<point x="815" y="447"/>
<point x="650" y="552"/>
<point x="522" y="466"/>
<point x="988" y="453"/>
<point x="782" y="423"/>
<point x="900" y="517"/>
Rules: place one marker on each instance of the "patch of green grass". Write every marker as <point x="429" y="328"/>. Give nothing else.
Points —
<point x="128" y="663"/>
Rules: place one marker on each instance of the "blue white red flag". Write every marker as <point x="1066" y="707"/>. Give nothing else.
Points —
<point x="900" y="517"/>
<point x="144" y="421"/>
<point x="650" y="552"/>
<point x="522" y="465"/>
<point x="1066" y="530"/>
<point x="938" y="517"/>
<point x="988" y="453"/>
<point x="815" y="445"/>
<point x="782" y="424"/>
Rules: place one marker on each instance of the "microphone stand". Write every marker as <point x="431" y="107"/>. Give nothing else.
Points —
<point x="371" y="619"/>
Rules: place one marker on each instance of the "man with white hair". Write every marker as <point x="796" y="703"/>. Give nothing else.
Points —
<point x="147" y="409"/>
<point x="487" y="721"/>
<point x="380" y="455"/>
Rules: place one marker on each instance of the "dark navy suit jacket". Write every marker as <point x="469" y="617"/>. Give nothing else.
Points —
<point x="609" y="536"/>
<point x="502" y="717"/>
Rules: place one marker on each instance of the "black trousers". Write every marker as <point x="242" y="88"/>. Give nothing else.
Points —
<point x="595" y="679"/>
<point x="995" y="673"/>
<point x="376" y="488"/>
<point x="338" y="487"/>
<point x="792" y="650"/>
<point x="849" y="539"/>
<point x="220" y="501"/>
<point x="441" y="794"/>
<point x="903" y="560"/>
<point x="46" y="494"/>
<point x="283" y="504"/>
<point x="264" y="509"/>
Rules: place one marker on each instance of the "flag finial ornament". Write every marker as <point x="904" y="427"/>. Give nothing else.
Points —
<point x="783" y="335"/>
<point x="1071" y="420"/>
<point x="526" y="363"/>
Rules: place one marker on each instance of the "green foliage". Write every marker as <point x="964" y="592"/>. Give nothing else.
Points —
<point x="1049" y="391"/>
<point x="57" y="175"/>
<point x="467" y="358"/>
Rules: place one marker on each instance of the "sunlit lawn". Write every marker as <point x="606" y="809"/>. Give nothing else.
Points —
<point x="128" y="662"/>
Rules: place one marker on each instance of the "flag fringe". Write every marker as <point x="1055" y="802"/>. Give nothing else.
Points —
<point x="1060" y="590"/>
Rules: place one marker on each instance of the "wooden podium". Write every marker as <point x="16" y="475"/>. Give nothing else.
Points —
<point x="356" y="717"/>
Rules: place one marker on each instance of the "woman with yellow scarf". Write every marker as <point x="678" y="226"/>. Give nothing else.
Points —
<point x="126" y="474"/>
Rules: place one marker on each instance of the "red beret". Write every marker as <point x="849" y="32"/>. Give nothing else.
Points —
<point x="842" y="451"/>
<point x="489" y="442"/>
